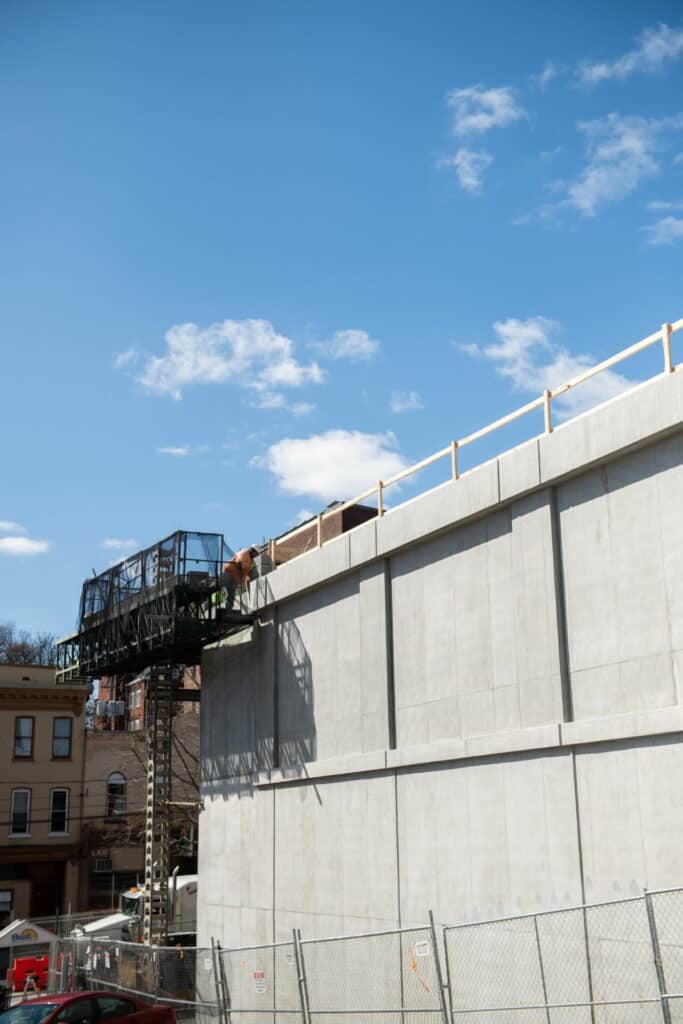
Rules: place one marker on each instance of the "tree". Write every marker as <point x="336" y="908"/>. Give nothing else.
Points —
<point x="26" y="648"/>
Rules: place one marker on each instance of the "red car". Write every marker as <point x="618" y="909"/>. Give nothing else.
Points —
<point x="87" y="1008"/>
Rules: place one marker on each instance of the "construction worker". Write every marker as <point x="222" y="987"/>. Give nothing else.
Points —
<point x="236" y="573"/>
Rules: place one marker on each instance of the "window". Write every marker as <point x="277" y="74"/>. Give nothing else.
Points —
<point x="137" y="698"/>
<point x="102" y="865"/>
<point x="59" y="811"/>
<point x="80" y="1011"/>
<point x="23" y="737"/>
<point x="111" y="1007"/>
<point x="5" y="901"/>
<point x="21" y="810"/>
<point x="61" y="737"/>
<point x="116" y="795"/>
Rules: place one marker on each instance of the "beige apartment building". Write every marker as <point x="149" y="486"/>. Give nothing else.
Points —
<point x="42" y="749"/>
<point x="114" y="796"/>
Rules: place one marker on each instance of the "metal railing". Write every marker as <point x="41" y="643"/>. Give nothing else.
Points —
<point x="618" y="962"/>
<point x="544" y="401"/>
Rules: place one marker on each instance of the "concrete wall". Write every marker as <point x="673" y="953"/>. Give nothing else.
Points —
<point x="471" y="705"/>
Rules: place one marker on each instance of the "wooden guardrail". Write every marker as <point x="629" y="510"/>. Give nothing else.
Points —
<point x="544" y="401"/>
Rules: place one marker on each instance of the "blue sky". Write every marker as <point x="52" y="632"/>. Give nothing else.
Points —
<point x="254" y="257"/>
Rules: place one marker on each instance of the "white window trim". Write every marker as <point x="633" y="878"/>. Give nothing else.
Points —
<point x="60" y="789"/>
<point x="20" y="835"/>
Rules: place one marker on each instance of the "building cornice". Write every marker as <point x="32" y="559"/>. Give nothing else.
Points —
<point x="25" y="699"/>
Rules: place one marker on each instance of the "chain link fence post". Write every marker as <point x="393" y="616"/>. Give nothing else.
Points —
<point x="301" y="976"/>
<point x="443" y="986"/>
<point x="222" y="1016"/>
<point x="544" y="987"/>
<point x="656" y="953"/>
<point x="226" y="1001"/>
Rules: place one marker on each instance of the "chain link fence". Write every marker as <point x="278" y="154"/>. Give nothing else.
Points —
<point x="609" y="963"/>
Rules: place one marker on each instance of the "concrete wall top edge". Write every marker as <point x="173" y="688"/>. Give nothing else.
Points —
<point x="634" y="419"/>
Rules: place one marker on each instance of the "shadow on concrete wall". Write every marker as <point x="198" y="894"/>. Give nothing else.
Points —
<point x="296" y="710"/>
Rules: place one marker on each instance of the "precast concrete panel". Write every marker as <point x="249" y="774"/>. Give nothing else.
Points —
<point x="622" y="545"/>
<point x="335" y="851"/>
<point x="488" y="838"/>
<point x="332" y="670"/>
<point x="237" y="707"/>
<point x="236" y="862"/>
<point x="631" y="815"/>
<point x="475" y="628"/>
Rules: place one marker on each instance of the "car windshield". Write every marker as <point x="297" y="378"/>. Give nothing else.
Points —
<point x="28" y="1013"/>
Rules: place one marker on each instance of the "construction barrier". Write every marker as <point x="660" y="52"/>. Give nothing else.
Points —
<point x="619" y="962"/>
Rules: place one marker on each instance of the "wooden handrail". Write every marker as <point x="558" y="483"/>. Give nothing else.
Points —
<point x="663" y="336"/>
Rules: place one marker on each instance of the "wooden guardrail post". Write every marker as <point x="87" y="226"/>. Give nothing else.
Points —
<point x="666" y="345"/>
<point x="454" y="459"/>
<point x="547" y="412"/>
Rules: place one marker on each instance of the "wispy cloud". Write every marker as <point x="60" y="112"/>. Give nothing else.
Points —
<point x="302" y="516"/>
<point x="526" y="353"/>
<point x="128" y="358"/>
<point x="334" y="464"/>
<point x="549" y="73"/>
<point x="477" y="110"/>
<point x="276" y="400"/>
<point x="665" y="231"/>
<point x="621" y="153"/>
<point x="355" y="345"/>
<point x="655" y="47"/>
<point x="666" y="204"/>
<point x="119" y="544"/>
<point x="470" y="167"/>
<point x="8" y="526"/>
<point x="182" y="451"/>
<point x="405" y="401"/>
<point x="248" y="352"/>
<point x="23" y="546"/>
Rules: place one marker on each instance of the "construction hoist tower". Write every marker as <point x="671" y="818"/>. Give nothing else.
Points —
<point x="156" y="609"/>
<point x="163" y="679"/>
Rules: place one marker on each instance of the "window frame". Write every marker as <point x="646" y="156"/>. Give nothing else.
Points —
<point x="109" y="813"/>
<point x="51" y="830"/>
<point x="20" y="835"/>
<point x="32" y="737"/>
<point x="69" y="738"/>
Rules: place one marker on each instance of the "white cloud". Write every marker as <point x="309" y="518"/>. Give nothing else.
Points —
<point x="654" y="48"/>
<point x="665" y="231"/>
<point x="118" y="544"/>
<point x="7" y="526"/>
<point x="470" y="167"/>
<point x="476" y="110"/>
<point x="354" y="345"/>
<point x="524" y="351"/>
<point x="302" y="516"/>
<point x="276" y="400"/>
<point x="248" y="352"/>
<point x="550" y="154"/>
<point x="177" y="451"/>
<point x="405" y="401"/>
<point x="335" y="464"/>
<point x="621" y="152"/>
<point x="546" y="76"/>
<point x="620" y="155"/>
<point x="666" y="204"/>
<point x="22" y="546"/>
<point x="678" y="159"/>
<point x="123" y="359"/>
